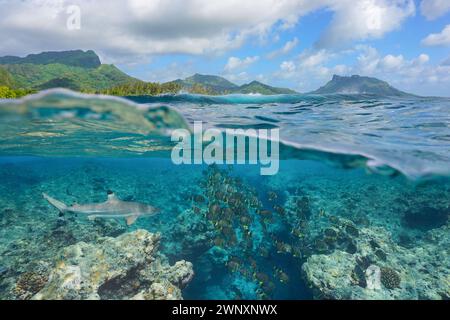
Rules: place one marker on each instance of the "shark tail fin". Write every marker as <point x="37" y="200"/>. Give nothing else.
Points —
<point x="58" y="204"/>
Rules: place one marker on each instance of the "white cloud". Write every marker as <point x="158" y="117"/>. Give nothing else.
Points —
<point x="288" y="66"/>
<point x="416" y="75"/>
<point x="364" y="19"/>
<point x="239" y="78"/>
<point x="438" y="39"/>
<point x="311" y="58"/>
<point x="121" y="29"/>
<point x="308" y="69"/>
<point x="170" y="72"/>
<point x="391" y="62"/>
<point x="141" y="27"/>
<point x="446" y="62"/>
<point x="236" y="63"/>
<point x="340" y="69"/>
<point x="312" y="69"/>
<point x="288" y="46"/>
<point x="433" y="9"/>
<point x="371" y="63"/>
<point x="422" y="58"/>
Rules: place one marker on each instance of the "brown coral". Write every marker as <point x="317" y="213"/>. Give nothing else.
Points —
<point x="29" y="283"/>
<point x="390" y="278"/>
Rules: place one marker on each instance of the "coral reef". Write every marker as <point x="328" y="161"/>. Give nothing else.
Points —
<point x="416" y="273"/>
<point x="389" y="278"/>
<point x="354" y="235"/>
<point x="31" y="282"/>
<point x="191" y="235"/>
<point x="126" y="267"/>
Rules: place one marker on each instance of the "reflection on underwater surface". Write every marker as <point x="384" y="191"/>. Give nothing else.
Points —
<point x="310" y="231"/>
<point x="321" y="228"/>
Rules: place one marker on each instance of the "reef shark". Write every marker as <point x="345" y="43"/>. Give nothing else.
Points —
<point x="111" y="208"/>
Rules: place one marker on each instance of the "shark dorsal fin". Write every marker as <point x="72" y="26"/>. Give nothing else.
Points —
<point x="112" y="196"/>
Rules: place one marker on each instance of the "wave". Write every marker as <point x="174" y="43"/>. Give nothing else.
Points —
<point x="251" y="98"/>
<point x="386" y="135"/>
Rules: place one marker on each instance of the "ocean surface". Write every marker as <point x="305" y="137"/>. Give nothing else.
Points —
<point x="363" y="185"/>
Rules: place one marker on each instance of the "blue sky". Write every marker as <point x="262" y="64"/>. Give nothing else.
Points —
<point x="292" y="43"/>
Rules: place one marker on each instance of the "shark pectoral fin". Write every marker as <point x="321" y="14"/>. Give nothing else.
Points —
<point x="131" y="219"/>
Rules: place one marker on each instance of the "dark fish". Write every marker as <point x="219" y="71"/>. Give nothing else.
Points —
<point x="3" y="270"/>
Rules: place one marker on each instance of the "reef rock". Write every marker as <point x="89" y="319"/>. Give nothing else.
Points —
<point x="191" y="236"/>
<point x="126" y="267"/>
<point x="382" y="269"/>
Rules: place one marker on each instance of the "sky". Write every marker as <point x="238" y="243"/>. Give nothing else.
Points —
<point x="297" y="44"/>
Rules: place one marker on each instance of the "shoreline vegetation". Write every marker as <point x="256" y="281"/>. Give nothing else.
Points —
<point x="128" y="89"/>
<point x="8" y="93"/>
<point x="150" y="89"/>
<point x="125" y="90"/>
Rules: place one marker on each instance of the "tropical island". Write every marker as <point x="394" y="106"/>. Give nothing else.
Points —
<point x="83" y="71"/>
<point x="356" y="84"/>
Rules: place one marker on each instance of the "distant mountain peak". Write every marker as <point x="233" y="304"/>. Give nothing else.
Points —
<point x="212" y="81"/>
<point x="356" y="84"/>
<point x="262" y="88"/>
<point x="218" y="85"/>
<point x="75" y="58"/>
<point x="353" y="76"/>
<point x="74" y="69"/>
<point x="83" y="70"/>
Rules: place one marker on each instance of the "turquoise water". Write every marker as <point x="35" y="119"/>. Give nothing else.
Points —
<point x="363" y="181"/>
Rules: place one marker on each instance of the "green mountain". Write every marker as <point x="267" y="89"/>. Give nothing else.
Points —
<point x="59" y="83"/>
<point x="261" y="88"/>
<point x="210" y="84"/>
<point x="6" y="78"/>
<point x="75" y="58"/>
<point x="360" y="85"/>
<point x="82" y="71"/>
<point x="214" y="84"/>
<point x="76" y="70"/>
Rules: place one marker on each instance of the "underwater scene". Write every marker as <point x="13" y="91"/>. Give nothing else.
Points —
<point x="359" y="208"/>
